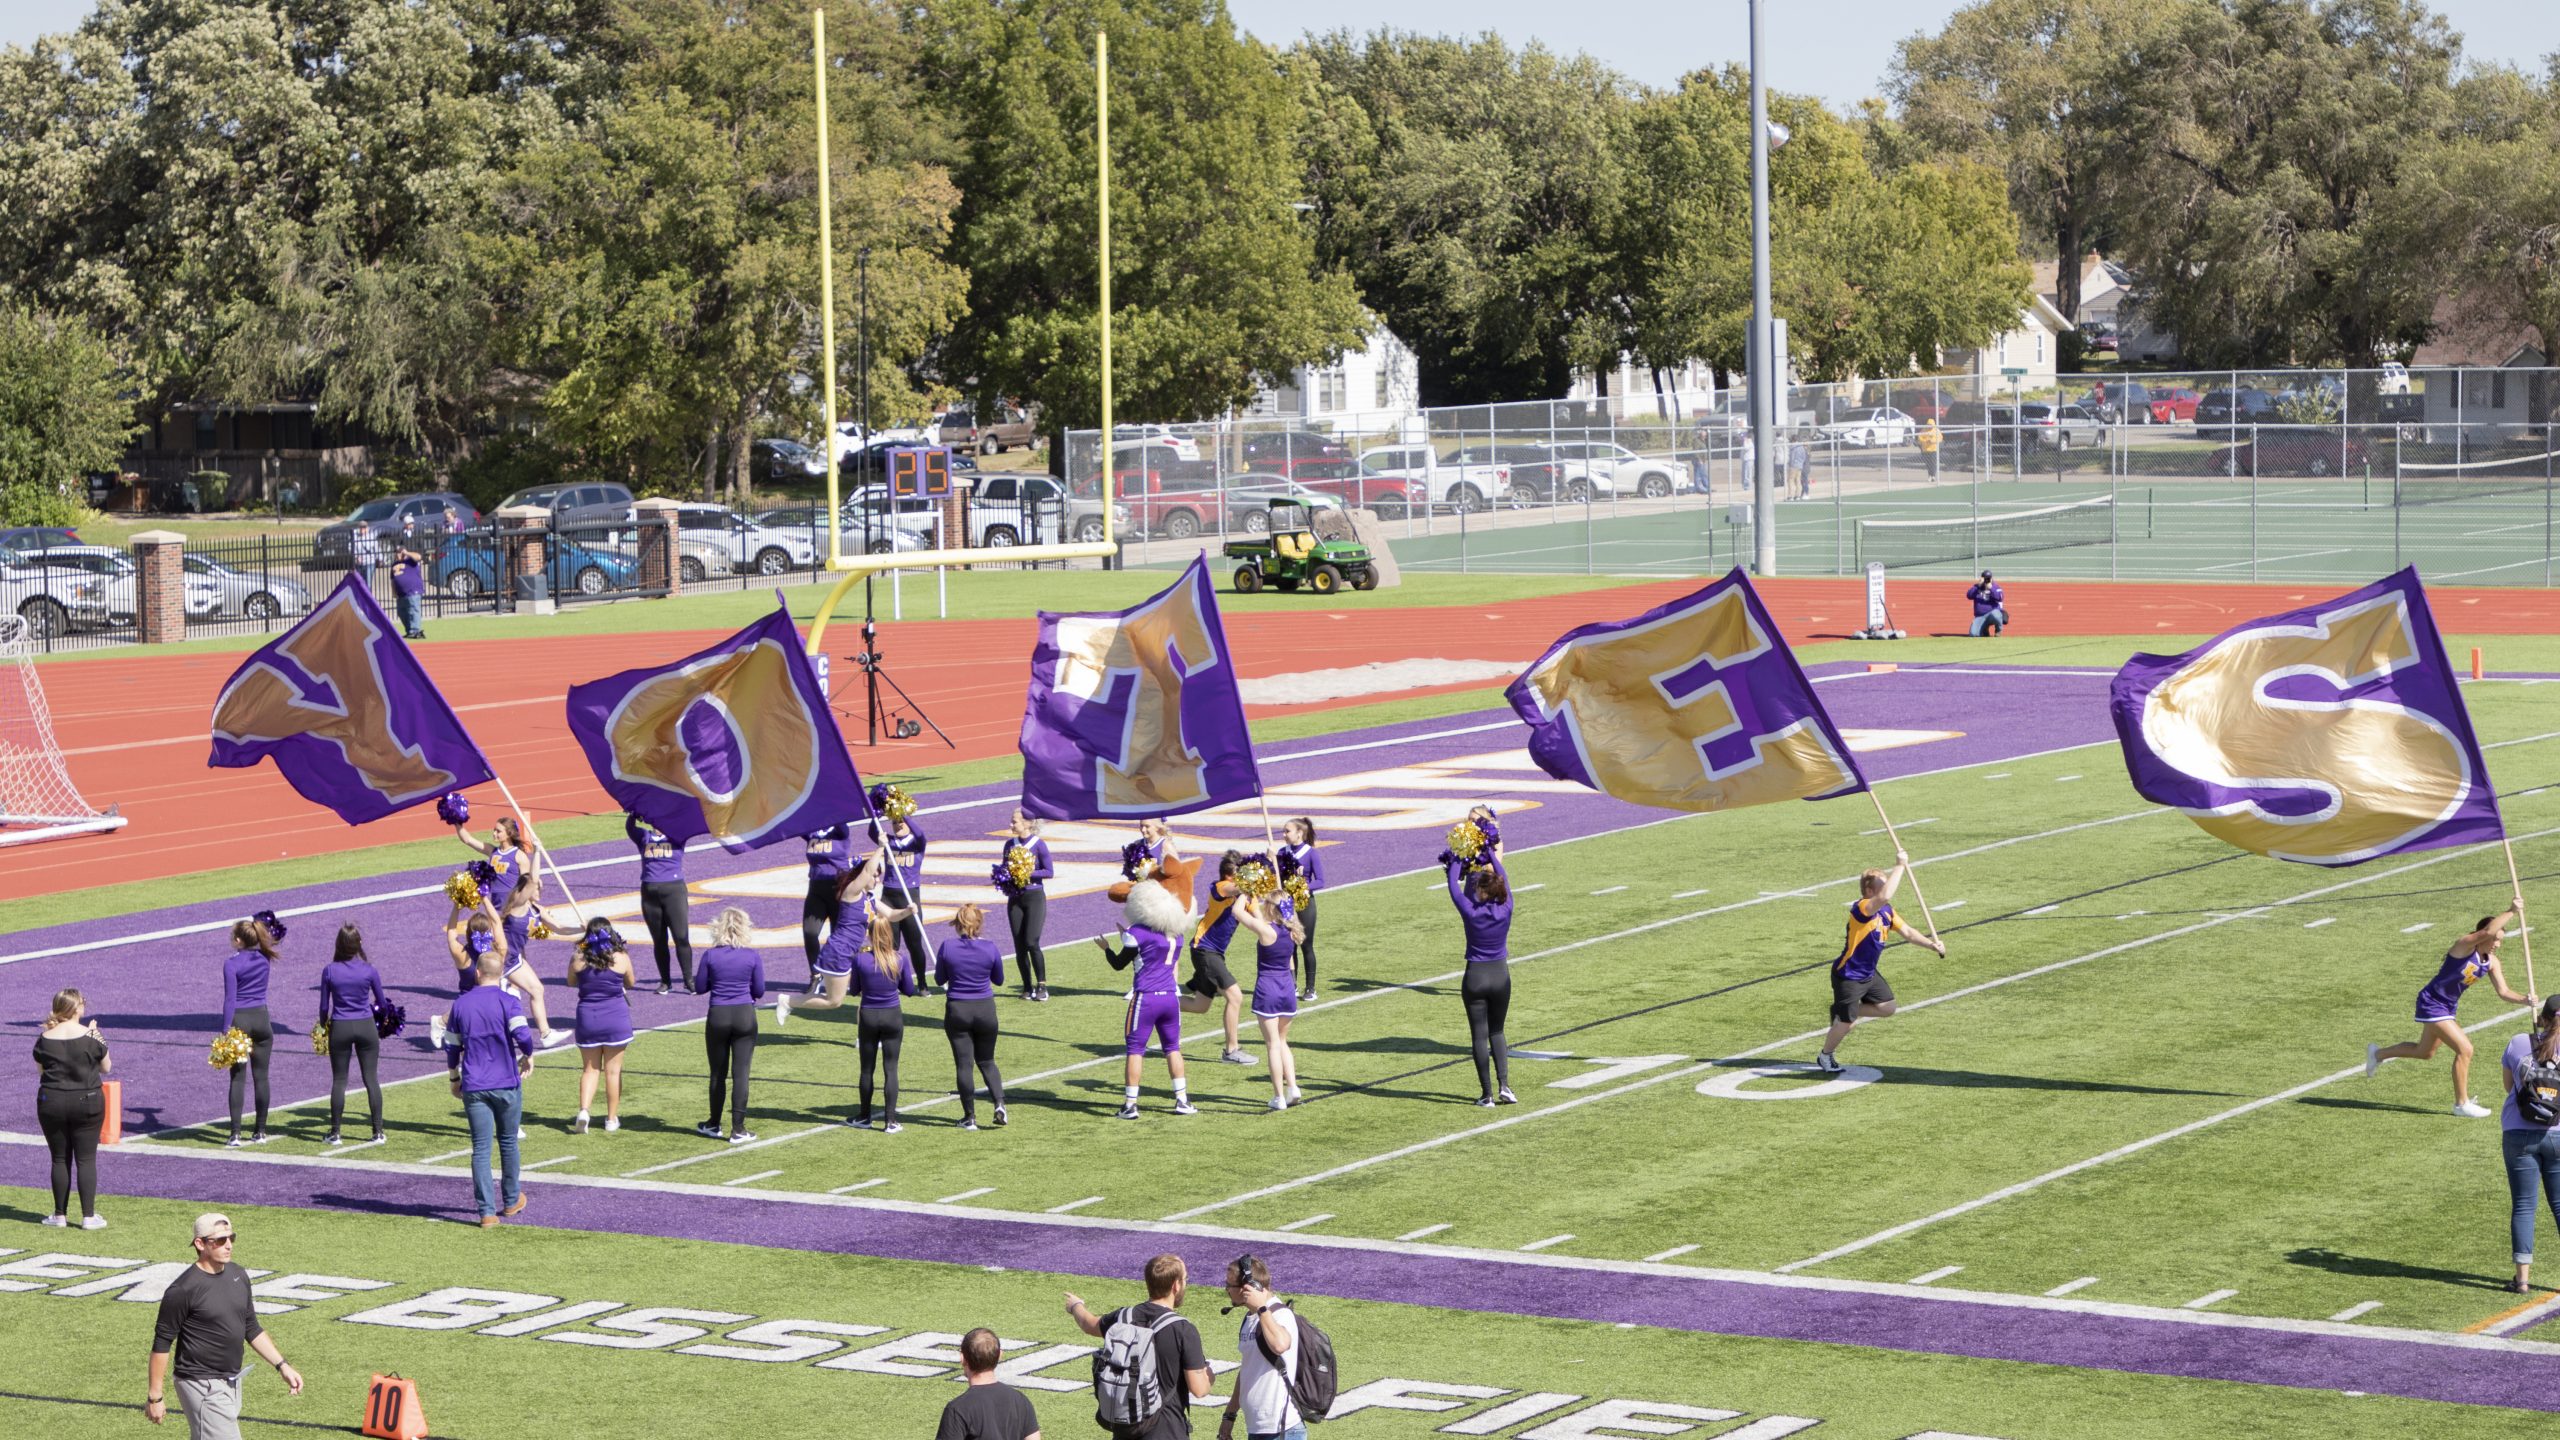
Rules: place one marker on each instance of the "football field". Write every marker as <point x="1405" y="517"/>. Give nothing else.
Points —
<point x="2115" y="1170"/>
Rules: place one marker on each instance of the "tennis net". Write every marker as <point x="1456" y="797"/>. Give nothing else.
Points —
<point x="2470" y="480"/>
<point x="1899" y="543"/>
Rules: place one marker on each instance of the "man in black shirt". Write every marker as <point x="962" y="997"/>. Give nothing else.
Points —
<point x="1182" y="1366"/>
<point x="989" y="1409"/>
<point x="208" y="1316"/>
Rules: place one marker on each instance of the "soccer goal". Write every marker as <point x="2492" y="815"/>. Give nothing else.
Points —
<point x="37" y="799"/>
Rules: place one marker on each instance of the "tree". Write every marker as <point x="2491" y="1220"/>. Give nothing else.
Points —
<point x="1471" y="190"/>
<point x="2037" y="90"/>
<point x="63" y="414"/>
<point x="1902" y="268"/>
<point x="1215" y="281"/>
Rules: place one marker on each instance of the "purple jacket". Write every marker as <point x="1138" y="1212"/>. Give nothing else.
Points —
<point x="484" y="1035"/>
<point x="1488" y="926"/>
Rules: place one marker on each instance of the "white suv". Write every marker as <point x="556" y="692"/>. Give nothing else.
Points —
<point x="1615" y="468"/>
<point x="745" y="544"/>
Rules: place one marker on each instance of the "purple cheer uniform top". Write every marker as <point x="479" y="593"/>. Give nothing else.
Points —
<point x="604" y="1014"/>
<point x="1275" y="970"/>
<point x="1041" y="869"/>
<point x="1488" y="926"/>
<point x="730" y="975"/>
<point x="244" y="984"/>
<point x="1217" y="929"/>
<point x="968" y="969"/>
<point x="1150" y="857"/>
<point x="830" y="853"/>
<point x="880" y="986"/>
<point x="850" y="934"/>
<point x="2442" y="996"/>
<point x="350" y="990"/>
<point x="906" y="857"/>
<point x="1310" y="865"/>
<point x="661" y="859"/>
<point x="1863" y="946"/>
<point x="1155" y="1005"/>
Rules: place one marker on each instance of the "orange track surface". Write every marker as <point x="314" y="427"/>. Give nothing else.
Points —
<point x="134" y="728"/>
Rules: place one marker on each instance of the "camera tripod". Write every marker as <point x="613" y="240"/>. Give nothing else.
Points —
<point x="878" y="715"/>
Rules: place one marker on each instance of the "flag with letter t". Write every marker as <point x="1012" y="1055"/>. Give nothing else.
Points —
<point x="1694" y="705"/>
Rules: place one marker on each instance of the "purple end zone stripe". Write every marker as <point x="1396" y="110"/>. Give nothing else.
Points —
<point x="158" y="999"/>
<point x="2381" y="1365"/>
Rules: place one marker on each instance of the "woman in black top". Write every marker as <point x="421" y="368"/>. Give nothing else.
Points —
<point x="70" y="1104"/>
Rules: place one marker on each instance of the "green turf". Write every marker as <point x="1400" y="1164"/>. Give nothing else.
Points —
<point x="2200" y="983"/>
<point x="76" y="1362"/>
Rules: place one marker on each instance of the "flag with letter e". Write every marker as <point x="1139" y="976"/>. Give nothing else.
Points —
<point x="735" y="742"/>
<point x="1136" y="712"/>
<point x="346" y="712"/>
<point x="2329" y="735"/>
<point x="1694" y="705"/>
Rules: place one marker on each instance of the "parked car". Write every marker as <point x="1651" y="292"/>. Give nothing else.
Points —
<point x="744" y="544"/>
<point x="785" y="462"/>
<point x="248" y="594"/>
<point x="810" y="520"/>
<point x="571" y="506"/>
<point x="1268" y="449"/>
<point x="51" y="600"/>
<point x="1620" y="470"/>
<point x="119" y="580"/>
<point x="1537" y="471"/>
<point x="1884" y="425"/>
<point x="2394" y="379"/>
<point x="438" y="512"/>
<point x="2119" y="402"/>
<point x="1974" y="430"/>
<point x="1004" y="427"/>
<point x="1011" y="509"/>
<point x="1449" y="485"/>
<point x="2173" y="405"/>
<point x="1387" y="497"/>
<point x="1184" y="446"/>
<point x="2226" y="410"/>
<point x="2306" y="451"/>
<point x="2100" y="335"/>
<point x="37" y="537"/>
<point x="880" y="523"/>
<point x="2060" y="426"/>
<point x="467" y="566"/>
<point x="1248" y="499"/>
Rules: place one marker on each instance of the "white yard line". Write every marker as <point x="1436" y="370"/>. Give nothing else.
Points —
<point x="1683" y="895"/>
<point x="1907" y="825"/>
<point x="2068" y="1286"/>
<point x="1612" y="890"/>
<point x="861" y="1185"/>
<point x="963" y="1195"/>
<point x="1659" y="1256"/>
<point x="751" y="1179"/>
<point x="1432" y="1230"/>
<point x="1548" y="1243"/>
<point x="1934" y="1276"/>
<point x="2208" y="1300"/>
<point x="1303" y="1224"/>
<point x="2323" y="920"/>
<point x="554" y="1160"/>
<point x="2351" y="1312"/>
<point x="2524" y="1319"/>
<point x="1073" y="1205"/>
<point x="448" y="1155"/>
<point x="2414" y="929"/>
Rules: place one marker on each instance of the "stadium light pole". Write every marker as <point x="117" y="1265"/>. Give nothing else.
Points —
<point x="1762" y="365"/>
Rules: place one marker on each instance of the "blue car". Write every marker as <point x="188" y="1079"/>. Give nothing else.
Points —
<point x="467" y="567"/>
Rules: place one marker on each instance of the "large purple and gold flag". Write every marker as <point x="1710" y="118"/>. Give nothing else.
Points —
<point x="1136" y="712"/>
<point x="735" y="742"/>
<point x="1694" y="705"/>
<point x="2329" y="735"/>
<point x="347" y="714"/>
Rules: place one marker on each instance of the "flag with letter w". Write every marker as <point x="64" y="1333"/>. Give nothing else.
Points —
<point x="347" y="714"/>
<point x="2329" y="735"/>
<point x="735" y="742"/>
<point x="1694" y="705"/>
<point x="1136" y="712"/>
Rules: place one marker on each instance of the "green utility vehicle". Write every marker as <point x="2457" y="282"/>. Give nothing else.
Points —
<point x="1291" y="556"/>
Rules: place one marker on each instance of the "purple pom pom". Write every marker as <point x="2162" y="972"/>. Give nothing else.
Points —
<point x="454" y="808"/>
<point x="1492" y="833"/>
<point x="274" y="927"/>
<point x="1288" y="864"/>
<point x="1130" y="855"/>
<point x="477" y="942"/>
<point x="389" y="1018"/>
<point x="483" y="874"/>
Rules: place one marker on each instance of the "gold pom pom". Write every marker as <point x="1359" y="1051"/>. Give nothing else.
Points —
<point x="896" y="805"/>
<point x="230" y="1048"/>
<point x="1295" y="887"/>
<point x="320" y="1038"/>
<point x="1019" y="862"/>
<point x="462" y="890"/>
<point x="1465" y="840"/>
<point x="541" y="928"/>
<point x="1255" y="879"/>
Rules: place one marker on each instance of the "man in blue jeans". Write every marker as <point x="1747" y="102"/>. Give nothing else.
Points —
<point x="488" y="1046"/>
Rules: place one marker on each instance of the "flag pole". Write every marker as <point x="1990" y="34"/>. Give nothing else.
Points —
<point x="1913" y="874"/>
<point x="2524" y="934"/>
<point x="541" y="852"/>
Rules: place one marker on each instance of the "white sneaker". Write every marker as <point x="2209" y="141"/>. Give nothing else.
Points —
<point x="1279" y="1102"/>
<point x="2470" y="1111"/>
<point x="435" y="1031"/>
<point x="553" y="1037"/>
<point x="781" y="1011"/>
<point x="612" y="1123"/>
<point x="58" y="1222"/>
<point x="1296" y="1094"/>
<point x="1185" y="1107"/>
<point x="579" y="1125"/>
<point x="2372" y="1060"/>
<point x="93" y="1222"/>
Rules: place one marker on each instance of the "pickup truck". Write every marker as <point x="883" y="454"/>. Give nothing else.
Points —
<point x="1181" y="507"/>
<point x="1448" y="485"/>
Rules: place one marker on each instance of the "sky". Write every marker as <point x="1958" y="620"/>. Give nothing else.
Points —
<point x="1837" y="49"/>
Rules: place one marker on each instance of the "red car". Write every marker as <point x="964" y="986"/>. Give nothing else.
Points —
<point x="2292" y="452"/>
<point x="2171" y="405"/>
<point x="1391" y="497"/>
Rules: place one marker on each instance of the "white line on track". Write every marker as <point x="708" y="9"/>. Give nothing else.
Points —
<point x="2323" y="920"/>
<point x="1549" y="1242"/>
<point x="2208" y="1300"/>
<point x="2351" y="1312"/>
<point x="1950" y="904"/>
<point x="2524" y="1319"/>
<point x="1436" y="1229"/>
<point x="1907" y="825"/>
<point x="1658" y="1256"/>
<point x="867" y="1184"/>
<point x="554" y="1160"/>
<point x="1612" y="890"/>
<point x="2068" y="1286"/>
<point x="1683" y="895"/>
<point x="1934" y="1276"/>
<point x="1303" y="1224"/>
<point x="2414" y="929"/>
<point x="326" y="1153"/>
<point x="1073" y="1205"/>
<point x="751" y="1179"/>
<point x="2522" y="740"/>
<point x="448" y="1155"/>
<point x="2064" y="779"/>
<point x="951" y="1199"/>
<point x="1523" y="889"/>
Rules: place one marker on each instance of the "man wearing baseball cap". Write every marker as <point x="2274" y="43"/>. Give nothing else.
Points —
<point x="1990" y="606"/>
<point x="207" y="1315"/>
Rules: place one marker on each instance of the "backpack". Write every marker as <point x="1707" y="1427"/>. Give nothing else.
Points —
<point x="1316" y="1381"/>
<point x="1126" y="1392"/>
<point x="2538" y="1090"/>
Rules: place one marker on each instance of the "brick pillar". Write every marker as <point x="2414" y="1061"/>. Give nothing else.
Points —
<point x="656" y="544"/>
<point x="955" y="514"/>
<point x="160" y="609"/>
<point x="520" y="533"/>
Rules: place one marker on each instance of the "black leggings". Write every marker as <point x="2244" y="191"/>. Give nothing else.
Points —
<point x="262" y="1043"/>
<point x="1307" y="947"/>
<point x="1029" y="912"/>
<point x="667" y="907"/>
<point x="971" y="1027"/>
<point x="361" y="1040"/>
<point x="730" y="1038"/>
<point x="1487" y="991"/>
<point x="70" y="1119"/>
<point x="911" y="930"/>
<point x="880" y="1030"/>
<point x="816" y="909"/>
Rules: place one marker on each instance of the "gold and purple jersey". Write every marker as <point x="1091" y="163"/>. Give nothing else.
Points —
<point x="1869" y="920"/>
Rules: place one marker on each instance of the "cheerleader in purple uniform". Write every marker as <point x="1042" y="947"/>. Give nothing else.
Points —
<point x="1026" y="907"/>
<point x="830" y="858"/>
<point x="903" y="846"/>
<point x="1153" y="851"/>
<point x="601" y="974"/>
<point x="1299" y="857"/>
<point x="2473" y="958"/>
<point x="244" y="1005"/>
<point x="511" y="854"/>
<point x="880" y="1026"/>
<point x="858" y="903"/>
<point x="1278" y="936"/>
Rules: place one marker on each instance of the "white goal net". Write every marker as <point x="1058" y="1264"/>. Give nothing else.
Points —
<point x="37" y="799"/>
